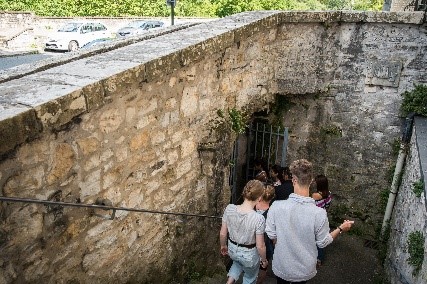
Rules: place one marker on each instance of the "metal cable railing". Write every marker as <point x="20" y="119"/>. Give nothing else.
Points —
<point x="100" y="206"/>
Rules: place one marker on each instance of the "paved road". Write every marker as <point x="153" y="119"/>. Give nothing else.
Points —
<point x="12" y="61"/>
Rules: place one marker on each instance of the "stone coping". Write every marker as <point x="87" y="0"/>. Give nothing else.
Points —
<point x="50" y="94"/>
<point x="420" y="123"/>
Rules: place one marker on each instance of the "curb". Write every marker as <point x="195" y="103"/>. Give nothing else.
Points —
<point x="4" y="53"/>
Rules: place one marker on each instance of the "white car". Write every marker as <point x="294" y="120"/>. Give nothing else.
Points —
<point x="74" y="35"/>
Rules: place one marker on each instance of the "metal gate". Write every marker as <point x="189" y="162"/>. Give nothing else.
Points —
<point x="262" y="141"/>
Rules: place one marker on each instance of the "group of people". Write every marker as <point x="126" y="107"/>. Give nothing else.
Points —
<point x="287" y="233"/>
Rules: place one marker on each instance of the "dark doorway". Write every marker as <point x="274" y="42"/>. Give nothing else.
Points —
<point x="261" y="140"/>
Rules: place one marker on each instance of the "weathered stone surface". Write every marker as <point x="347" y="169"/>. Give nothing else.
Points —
<point x="410" y="212"/>
<point x="140" y="113"/>
<point x="18" y="125"/>
<point x="386" y="73"/>
<point x="62" y="162"/>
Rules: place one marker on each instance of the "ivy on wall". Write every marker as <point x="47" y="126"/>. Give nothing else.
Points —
<point x="416" y="251"/>
<point x="418" y="187"/>
<point x="233" y="119"/>
<point x="415" y="101"/>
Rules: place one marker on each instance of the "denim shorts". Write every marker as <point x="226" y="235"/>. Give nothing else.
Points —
<point x="244" y="260"/>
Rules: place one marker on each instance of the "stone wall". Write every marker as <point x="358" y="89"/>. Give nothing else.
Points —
<point x="341" y="84"/>
<point x="410" y="212"/>
<point x="13" y="20"/>
<point x="134" y="124"/>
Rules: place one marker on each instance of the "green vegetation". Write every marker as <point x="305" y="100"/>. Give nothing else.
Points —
<point x="383" y="241"/>
<point x="415" y="101"/>
<point x="331" y="130"/>
<point x="235" y="119"/>
<point x="418" y="188"/>
<point x="416" y="250"/>
<point x="193" y="8"/>
<point x="384" y="194"/>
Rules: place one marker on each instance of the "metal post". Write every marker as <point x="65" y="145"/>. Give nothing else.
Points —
<point x="172" y="14"/>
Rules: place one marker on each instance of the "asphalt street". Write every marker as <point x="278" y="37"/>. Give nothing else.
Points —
<point x="16" y="60"/>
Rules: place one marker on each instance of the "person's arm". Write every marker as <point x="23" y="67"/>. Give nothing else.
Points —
<point x="223" y="239"/>
<point x="260" y="245"/>
<point x="344" y="227"/>
<point x="270" y="226"/>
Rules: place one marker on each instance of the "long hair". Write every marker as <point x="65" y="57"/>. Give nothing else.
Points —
<point x="278" y="170"/>
<point x="322" y="185"/>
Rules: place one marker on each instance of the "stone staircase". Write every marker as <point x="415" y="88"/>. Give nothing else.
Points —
<point x="17" y="39"/>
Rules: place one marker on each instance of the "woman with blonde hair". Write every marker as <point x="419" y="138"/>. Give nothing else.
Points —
<point x="244" y="228"/>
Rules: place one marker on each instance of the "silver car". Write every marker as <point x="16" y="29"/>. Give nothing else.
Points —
<point x="138" y="27"/>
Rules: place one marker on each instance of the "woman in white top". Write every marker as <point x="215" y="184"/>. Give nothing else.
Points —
<point x="244" y="228"/>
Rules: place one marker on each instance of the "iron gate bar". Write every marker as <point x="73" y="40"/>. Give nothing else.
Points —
<point x="105" y="207"/>
<point x="256" y="140"/>
<point x="285" y="145"/>
<point x="263" y="142"/>
<point x="269" y="147"/>
<point x="277" y="144"/>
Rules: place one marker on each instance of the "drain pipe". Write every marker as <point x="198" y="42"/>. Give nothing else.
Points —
<point x="398" y="171"/>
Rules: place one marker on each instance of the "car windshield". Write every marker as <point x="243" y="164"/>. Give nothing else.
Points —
<point x="70" y="27"/>
<point x="136" y="24"/>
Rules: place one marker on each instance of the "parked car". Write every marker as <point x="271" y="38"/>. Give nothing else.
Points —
<point x="138" y="27"/>
<point x="74" y="35"/>
<point x="96" y="42"/>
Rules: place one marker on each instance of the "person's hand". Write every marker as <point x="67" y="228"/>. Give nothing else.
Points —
<point x="346" y="226"/>
<point x="264" y="263"/>
<point x="224" y="250"/>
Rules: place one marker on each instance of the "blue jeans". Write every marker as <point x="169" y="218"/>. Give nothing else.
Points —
<point x="244" y="260"/>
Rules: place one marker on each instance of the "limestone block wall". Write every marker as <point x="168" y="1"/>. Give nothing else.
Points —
<point x="402" y="5"/>
<point x="342" y="81"/>
<point x="134" y="124"/>
<point x="13" y="20"/>
<point x="410" y="211"/>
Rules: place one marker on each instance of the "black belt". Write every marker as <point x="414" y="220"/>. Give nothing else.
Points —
<point x="241" y="245"/>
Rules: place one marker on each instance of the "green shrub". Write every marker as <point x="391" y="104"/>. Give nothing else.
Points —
<point x="415" y="101"/>
<point x="416" y="250"/>
<point x="418" y="188"/>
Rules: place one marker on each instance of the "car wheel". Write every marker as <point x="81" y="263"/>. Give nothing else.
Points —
<point x="73" y="45"/>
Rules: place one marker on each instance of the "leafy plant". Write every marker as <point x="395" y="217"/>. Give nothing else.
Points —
<point x="384" y="194"/>
<point x="383" y="238"/>
<point x="415" y="101"/>
<point x="192" y="8"/>
<point x="416" y="250"/>
<point x="331" y="130"/>
<point x="235" y="119"/>
<point x="418" y="187"/>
